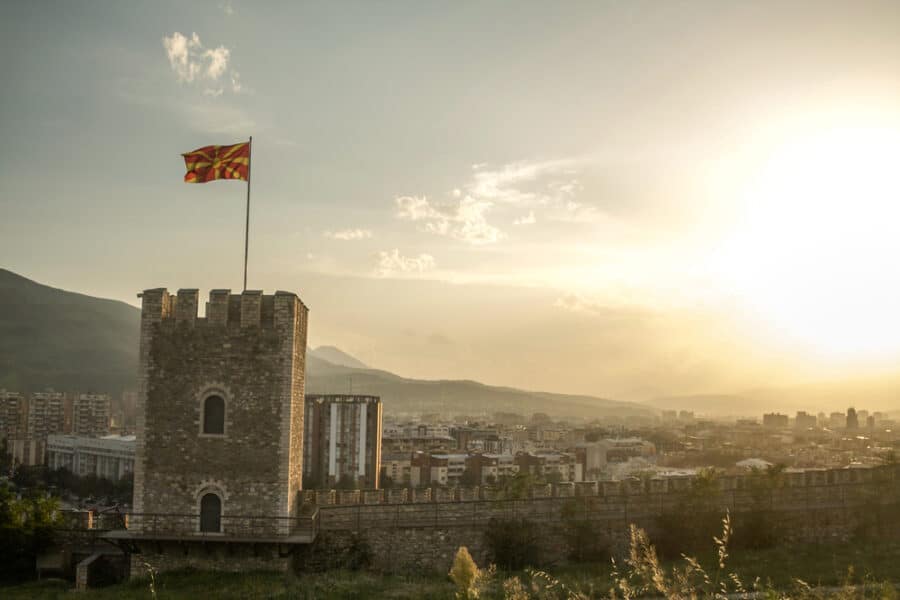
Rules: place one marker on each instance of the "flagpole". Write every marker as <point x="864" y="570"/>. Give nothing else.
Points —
<point x="247" y="221"/>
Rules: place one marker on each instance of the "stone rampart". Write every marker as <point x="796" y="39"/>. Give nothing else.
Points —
<point x="823" y="481"/>
<point x="417" y="530"/>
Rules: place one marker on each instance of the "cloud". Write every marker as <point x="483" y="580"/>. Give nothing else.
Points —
<point x="227" y="9"/>
<point x="526" y="220"/>
<point x="576" y="303"/>
<point x="349" y="234"/>
<point x="217" y="60"/>
<point x="517" y="182"/>
<point x="179" y="50"/>
<point x="548" y="185"/>
<point x="461" y="217"/>
<point x="391" y="262"/>
<point x="236" y="86"/>
<point x="192" y="63"/>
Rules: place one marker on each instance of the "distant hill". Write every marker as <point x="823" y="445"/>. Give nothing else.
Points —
<point x="54" y="338"/>
<point x="337" y="357"/>
<point x="401" y="394"/>
<point x="706" y="404"/>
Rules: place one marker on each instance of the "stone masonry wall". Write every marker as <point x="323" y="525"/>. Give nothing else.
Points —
<point x="419" y="533"/>
<point x="249" y="349"/>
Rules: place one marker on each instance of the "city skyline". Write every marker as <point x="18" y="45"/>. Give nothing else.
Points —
<point x="619" y="200"/>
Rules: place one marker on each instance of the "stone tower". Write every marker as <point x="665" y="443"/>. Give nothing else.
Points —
<point x="220" y="410"/>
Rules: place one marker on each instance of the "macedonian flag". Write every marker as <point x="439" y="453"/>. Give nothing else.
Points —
<point x="217" y="162"/>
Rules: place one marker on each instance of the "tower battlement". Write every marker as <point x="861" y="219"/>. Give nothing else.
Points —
<point x="251" y="308"/>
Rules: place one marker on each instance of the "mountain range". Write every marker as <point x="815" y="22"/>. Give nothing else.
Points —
<point x="70" y="341"/>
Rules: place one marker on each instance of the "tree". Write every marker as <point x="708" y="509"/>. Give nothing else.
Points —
<point x="26" y="528"/>
<point x="585" y="538"/>
<point x="696" y="518"/>
<point x="6" y="460"/>
<point x="513" y="543"/>
<point x="468" y="478"/>
<point x="593" y="436"/>
<point x="464" y="573"/>
<point x="757" y="528"/>
<point x="517" y="486"/>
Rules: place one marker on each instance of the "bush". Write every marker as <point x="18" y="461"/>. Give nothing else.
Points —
<point x="26" y="530"/>
<point x="330" y="551"/>
<point x="756" y="530"/>
<point x="464" y="574"/>
<point x="585" y="539"/>
<point x="359" y="553"/>
<point x="512" y="543"/>
<point x="586" y="542"/>
<point x="680" y="532"/>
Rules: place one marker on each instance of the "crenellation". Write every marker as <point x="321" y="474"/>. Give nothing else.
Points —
<point x="155" y="304"/>
<point x="738" y="488"/>
<point x="217" y="307"/>
<point x="186" y="304"/>
<point x="585" y="488"/>
<point x="251" y="308"/>
<point x="464" y="494"/>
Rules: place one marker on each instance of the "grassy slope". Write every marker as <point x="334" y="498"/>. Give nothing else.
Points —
<point x="817" y="565"/>
<point x="190" y="586"/>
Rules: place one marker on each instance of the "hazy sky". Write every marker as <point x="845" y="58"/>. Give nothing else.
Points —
<point x="619" y="198"/>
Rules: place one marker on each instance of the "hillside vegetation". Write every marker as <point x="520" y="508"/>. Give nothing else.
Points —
<point x="67" y="341"/>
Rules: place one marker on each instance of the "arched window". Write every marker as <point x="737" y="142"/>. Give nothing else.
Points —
<point x="214" y="415"/>
<point x="210" y="513"/>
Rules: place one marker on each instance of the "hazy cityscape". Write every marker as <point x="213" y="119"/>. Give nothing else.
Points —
<point x="79" y="432"/>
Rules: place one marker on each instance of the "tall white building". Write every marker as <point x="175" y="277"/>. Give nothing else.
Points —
<point x="342" y="440"/>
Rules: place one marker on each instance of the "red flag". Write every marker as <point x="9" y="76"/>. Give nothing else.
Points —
<point x="217" y="162"/>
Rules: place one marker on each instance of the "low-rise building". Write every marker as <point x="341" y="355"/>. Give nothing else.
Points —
<point x="622" y="449"/>
<point x="437" y="468"/>
<point x="775" y="420"/>
<point x="804" y="421"/>
<point x="491" y="468"/>
<point x="110" y="457"/>
<point x="550" y="465"/>
<point x="397" y="466"/>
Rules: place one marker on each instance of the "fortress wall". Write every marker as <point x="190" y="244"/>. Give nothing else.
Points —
<point x="410" y="536"/>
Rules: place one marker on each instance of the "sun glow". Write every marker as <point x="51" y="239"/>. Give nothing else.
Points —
<point x="815" y="259"/>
